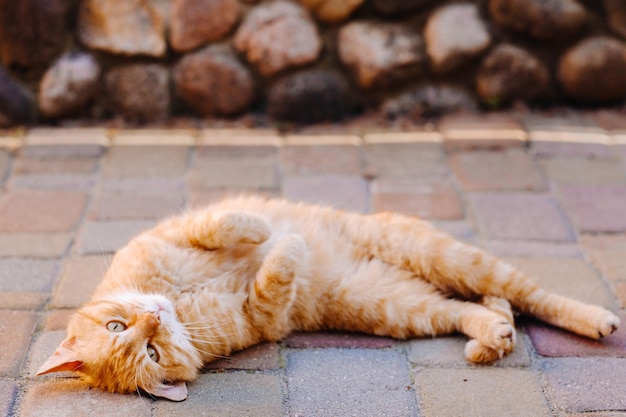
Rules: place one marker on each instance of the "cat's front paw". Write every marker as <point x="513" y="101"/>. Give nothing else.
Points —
<point x="500" y="337"/>
<point x="607" y="324"/>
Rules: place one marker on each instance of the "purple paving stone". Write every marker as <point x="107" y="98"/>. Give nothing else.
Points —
<point x="349" y="382"/>
<point x="300" y="340"/>
<point x="521" y="216"/>
<point x="554" y="342"/>
<point x="587" y="384"/>
<point x="597" y="208"/>
<point x="347" y="192"/>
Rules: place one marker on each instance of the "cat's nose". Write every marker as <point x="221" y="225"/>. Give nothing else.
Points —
<point x="147" y="324"/>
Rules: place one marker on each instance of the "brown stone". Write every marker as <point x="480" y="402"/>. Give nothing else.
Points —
<point x="542" y="19"/>
<point x="380" y="54"/>
<point x="398" y="7"/>
<point x="196" y="22"/>
<point x="16" y="106"/>
<point x="455" y="34"/>
<point x="278" y="35"/>
<point x="511" y="73"/>
<point x="615" y="12"/>
<point x="594" y="70"/>
<point x="213" y="81"/>
<point x="69" y="85"/>
<point x="332" y="11"/>
<point x="139" y="93"/>
<point x="130" y="27"/>
<point x="32" y="32"/>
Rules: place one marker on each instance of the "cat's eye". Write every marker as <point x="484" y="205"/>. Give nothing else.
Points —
<point x="152" y="353"/>
<point x="116" y="326"/>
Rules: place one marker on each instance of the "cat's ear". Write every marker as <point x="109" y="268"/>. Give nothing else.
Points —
<point x="65" y="358"/>
<point x="176" y="391"/>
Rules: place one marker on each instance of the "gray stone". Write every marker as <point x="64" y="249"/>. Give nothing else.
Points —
<point x="332" y="11"/>
<point x="32" y="32"/>
<point x="380" y="54"/>
<point x="107" y="237"/>
<point x="213" y="81"/>
<point x="69" y="85"/>
<point x="360" y="382"/>
<point x="130" y="27"/>
<point x="429" y="101"/>
<point x="615" y="12"/>
<point x="139" y="92"/>
<point x="310" y="97"/>
<point x="454" y="35"/>
<point x="594" y="70"/>
<point x="196" y="22"/>
<point x="27" y="275"/>
<point x="278" y="35"/>
<point x="542" y="19"/>
<point x="16" y="106"/>
<point x="399" y="7"/>
<point x="510" y="73"/>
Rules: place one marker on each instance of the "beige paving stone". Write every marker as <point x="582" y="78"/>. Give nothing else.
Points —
<point x="421" y="160"/>
<point x="470" y="132"/>
<point x="58" y="319"/>
<point x="107" y="237"/>
<point x="301" y="159"/>
<point x="221" y="171"/>
<point x="30" y="166"/>
<point x="81" y="275"/>
<point x="34" y="245"/>
<point x="145" y="161"/>
<point x="42" y="349"/>
<point x="22" y="300"/>
<point x="154" y="137"/>
<point x="75" y="398"/>
<point x="480" y="392"/>
<point x="579" y="170"/>
<point x="16" y="328"/>
<point x="570" y="277"/>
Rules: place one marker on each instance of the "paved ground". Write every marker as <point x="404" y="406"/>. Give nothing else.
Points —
<point x="547" y="194"/>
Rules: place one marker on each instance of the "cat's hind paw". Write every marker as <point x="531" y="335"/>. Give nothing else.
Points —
<point x="608" y="324"/>
<point x="476" y="352"/>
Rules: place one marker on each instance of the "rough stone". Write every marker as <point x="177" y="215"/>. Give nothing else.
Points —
<point x="128" y="28"/>
<point x="332" y="11"/>
<point x="108" y="237"/>
<point x="615" y="12"/>
<point x="594" y="70"/>
<point x="7" y="396"/>
<point x="32" y="32"/>
<point x="213" y="81"/>
<point x="278" y="35"/>
<point x="139" y="93"/>
<point x="510" y="73"/>
<point x="16" y="329"/>
<point x="196" y="22"/>
<point x="380" y="54"/>
<point x="429" y="101"/>
<point x="399" y="7"/>
<point x="596" y="208"/>
<point x="69" y="85"/>
<point x="539" y="18"/>
<point x="346" y="192"/>
<point x="15" y="104"/>
<point x="454" y="35"/>
<point x="309" y="97"/>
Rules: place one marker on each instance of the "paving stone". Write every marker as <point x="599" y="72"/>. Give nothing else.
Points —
<point x="521" y="216"/>
<point x="203" y="197"/>
<point x="259" y="357"/>
<point x="448" y="351"/>
<point x="75" y="398"/>
<point x="314" y="340"/>
<point x="143" y="186"/>
<point x="584" y="171"/>
<point x="107" y="237"/>
<point x="42" y="349"/>
<point x="229" y="395"/>
<point x="320" y="159"/>
<point x="16" y="329"/>
<point x="5" y="163"/>
<point x="75" y="182"/>
<point x="510" y="170"/>
<point x="145" y="161"/>
<point x="608" y="254"/>
<point x="34" y="245"/>
<point x="23" y="300"/>
<point x="58" y="319"/>
<point x="471" y="132"/>
<point x="534" y="249"/>
<point x="337" y="382"/>
<point x="116" y="206"/>
<point x="80" y="277"/>
<point x="65" y="143"/>
<point x="216" y="167"/>
<point x="33" y="166"/>
<point x="422" y="160"/>
<point x="438" y="200"/>
<point x="40" y="211"/>
<point x="27" y="275"/>
<point x="596" y="208"/>
<point x="570" y="277"/>
<point x="461" y="229"/>
<point x="554" y="342"/>
<point x="7" y="396"/>
<point x="586" y="384"/>
<point x="348" y="192"/>
<point x="480" y="392"/>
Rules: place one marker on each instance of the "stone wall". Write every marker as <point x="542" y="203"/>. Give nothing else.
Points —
<point x="304" y="60"/>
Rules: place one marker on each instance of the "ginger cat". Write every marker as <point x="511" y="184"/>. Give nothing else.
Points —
<point x="204" y="284"/>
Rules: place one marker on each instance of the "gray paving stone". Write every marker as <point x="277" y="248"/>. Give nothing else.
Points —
<point x="587" y="384"/>
<point x="42" y="348"/>
<point x="359" y="382"/>
<point x="480" y="392"/>
<point x="75" y="398"/>
<point x="596" y="208"/>
<point x="145" y="161"/>
<point x="7" y="395"/>
<point x="78" y="281"/>
<point x="228" y="395"/>
<point x="16" y="329"/>
<point x="107" y="237"/>
<point x="34" y="245"/>
<point x="55" y="182"/>
<point x="348" y="192"/>
<point x="221" y="168"/>
<point x="27" y="275"/>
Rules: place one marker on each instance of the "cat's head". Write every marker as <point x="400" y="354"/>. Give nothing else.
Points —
<point x="128" y="343"/>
